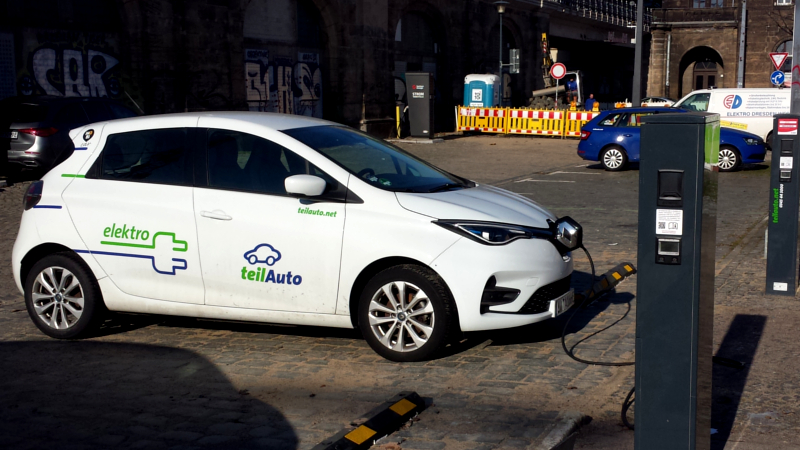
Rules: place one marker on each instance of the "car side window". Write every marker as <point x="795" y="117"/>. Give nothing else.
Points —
<point x="633" y="119"/>
<point x="610" y="120"/>
<point x="243" y="162"/>
<point x="151" y="156"/>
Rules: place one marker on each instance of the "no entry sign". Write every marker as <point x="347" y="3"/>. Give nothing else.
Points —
<point x="558" y="71"/>
<point x="787" y="126"/>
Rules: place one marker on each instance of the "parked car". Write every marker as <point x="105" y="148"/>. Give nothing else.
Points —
<point x="657" y="101"/>
<point x="613" y="139"/>
<point x="241" y="216"/>
<point x="36" y="129"/>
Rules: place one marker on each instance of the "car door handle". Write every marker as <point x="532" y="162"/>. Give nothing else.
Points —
<point x="216" y="214"/>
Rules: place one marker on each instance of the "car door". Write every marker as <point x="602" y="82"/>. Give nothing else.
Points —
<point x="259" y="247"/>
<point x="134" y="211"/>
<point x="628" y="133"/>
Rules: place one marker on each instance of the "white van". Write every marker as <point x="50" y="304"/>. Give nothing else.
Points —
<point x="749" y="110"/>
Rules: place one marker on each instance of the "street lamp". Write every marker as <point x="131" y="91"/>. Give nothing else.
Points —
<point x="501" y="8"/>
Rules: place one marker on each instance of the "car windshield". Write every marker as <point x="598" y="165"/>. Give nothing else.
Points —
<point x="15" y="111"/>
<point x="377" y="162"/>
<point x="696" y="102"/>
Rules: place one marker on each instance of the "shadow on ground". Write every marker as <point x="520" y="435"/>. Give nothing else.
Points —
<point x="739" y="345"/>
<point x="102" y="395"/>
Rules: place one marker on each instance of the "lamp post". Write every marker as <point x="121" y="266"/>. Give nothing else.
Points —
<point x="501" y="8"/>
<point x="636" y="97"/>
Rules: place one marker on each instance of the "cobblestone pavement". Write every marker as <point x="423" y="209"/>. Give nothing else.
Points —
<point x="159" y="382"/>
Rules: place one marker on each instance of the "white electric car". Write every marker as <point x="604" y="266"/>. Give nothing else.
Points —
<point x="283" y="219"/>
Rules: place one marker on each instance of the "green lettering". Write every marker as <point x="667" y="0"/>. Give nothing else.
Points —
<point x="244" y="273"/>
<point x="251" y="275"/>
<point x="146" y="235"/>
<point x="107" y="231"/>
<point x="117" y="233"/>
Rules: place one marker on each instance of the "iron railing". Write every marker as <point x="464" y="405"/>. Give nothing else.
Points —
<point x="615" y="12"/>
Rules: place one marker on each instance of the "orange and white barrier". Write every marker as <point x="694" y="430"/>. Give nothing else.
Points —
<point x="523" y="121"/>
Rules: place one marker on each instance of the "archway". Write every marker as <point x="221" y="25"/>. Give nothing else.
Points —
<point x="700" y="68"/>
<point x="275" y="31"/>
<point x="419" y="46"/>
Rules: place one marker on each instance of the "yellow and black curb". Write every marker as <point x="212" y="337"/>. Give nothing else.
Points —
<point x="381" y="422"/>
<point x="607" y="281"/>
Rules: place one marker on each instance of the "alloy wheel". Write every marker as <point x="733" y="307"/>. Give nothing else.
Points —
<point x="613" y="158"/>
<point x="58" y="297"/>
<point x="401" y="316"/>
<point x="727" y="159"/>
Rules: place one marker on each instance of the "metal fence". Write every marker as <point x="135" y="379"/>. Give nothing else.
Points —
<point x="616" y="12"/>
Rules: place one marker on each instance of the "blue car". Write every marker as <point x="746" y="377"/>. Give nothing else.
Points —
<point x="613" y="139"/>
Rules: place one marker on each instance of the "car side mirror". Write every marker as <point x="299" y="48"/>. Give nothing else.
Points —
<point x="306" y="185"/>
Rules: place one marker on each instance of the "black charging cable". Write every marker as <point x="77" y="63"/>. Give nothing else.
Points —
<point x="629" y="399"/>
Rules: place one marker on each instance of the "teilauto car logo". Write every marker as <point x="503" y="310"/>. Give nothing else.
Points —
<point x="88" y="135"/>
<point x="269" y="255"/>
<point x="732" y="101"/>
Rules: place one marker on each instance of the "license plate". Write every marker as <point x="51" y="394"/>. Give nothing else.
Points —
<point x="11" y="135"/>
<point x="564" y="302"/>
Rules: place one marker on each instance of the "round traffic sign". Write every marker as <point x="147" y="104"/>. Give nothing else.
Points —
<point x="777" y="78"/>
<point x="558" y="71"/>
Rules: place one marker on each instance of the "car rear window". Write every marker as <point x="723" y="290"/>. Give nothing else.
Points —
<point x="149" y="156"/>
<point x="26" y="112"/>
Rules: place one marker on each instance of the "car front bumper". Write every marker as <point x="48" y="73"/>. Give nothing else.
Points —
<point x="531" y="266"/>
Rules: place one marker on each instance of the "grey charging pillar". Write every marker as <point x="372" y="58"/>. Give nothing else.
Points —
<point x="784" y="201"/>
<point x="675" y="286"/>
<point x="419" y="91"/>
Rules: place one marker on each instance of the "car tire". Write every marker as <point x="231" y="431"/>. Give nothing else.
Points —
<point x="729" y="159"/>
<point x="768" y="142"/>
<point x="413" y="329"/>
<point x="63" y="298"/>
<point x="614" y="159"/>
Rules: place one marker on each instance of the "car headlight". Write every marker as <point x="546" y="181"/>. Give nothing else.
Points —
<point x="565" y="233"/>
<point x="751" y="141"/>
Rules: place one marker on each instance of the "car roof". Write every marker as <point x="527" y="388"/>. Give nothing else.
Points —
<point x="274" y="121"/>
<point x="645" y="109"/>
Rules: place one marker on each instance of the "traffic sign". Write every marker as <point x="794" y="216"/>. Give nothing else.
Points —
<point x="777" y="78"/>
<point x="778" y="59"/>
<point x="558" y="71"/>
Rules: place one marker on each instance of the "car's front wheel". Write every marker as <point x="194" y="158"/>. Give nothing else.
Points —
<point x="406" y="313"/>
<point x="614" y="159"/>
<point x="62" y="297"/>
<point x="729" y="159"/>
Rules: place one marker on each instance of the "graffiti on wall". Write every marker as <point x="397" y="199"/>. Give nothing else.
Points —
<point x="283" y="85"/>
<point x="69" y="64"/>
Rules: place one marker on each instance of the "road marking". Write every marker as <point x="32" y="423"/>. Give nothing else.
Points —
<point x="544" y="181"/>
<point x="580" y="173"/>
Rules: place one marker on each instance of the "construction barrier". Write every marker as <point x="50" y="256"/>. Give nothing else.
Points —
<point x="488" y="120"/>
<point x="577" y="119"/>
<point x="523" y="121"/>
<point x="529" y="121"/>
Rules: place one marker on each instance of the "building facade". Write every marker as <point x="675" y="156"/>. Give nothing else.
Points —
<point x="342" y="60"/>
<point x="696" y="44"/>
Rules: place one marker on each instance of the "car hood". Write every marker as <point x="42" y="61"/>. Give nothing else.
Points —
<point x="479" y="203"/>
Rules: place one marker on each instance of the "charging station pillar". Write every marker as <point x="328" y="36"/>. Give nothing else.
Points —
<point x="675" y="288"/>
<point x="784" y="202"/>
<point x="419" y="89"/>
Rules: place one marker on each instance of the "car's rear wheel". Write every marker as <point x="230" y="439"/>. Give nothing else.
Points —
<point x="614" y="159"/>
<point x="406" y="313"/>
<point x="62" y="297"/>
<point x="729" y="159"/>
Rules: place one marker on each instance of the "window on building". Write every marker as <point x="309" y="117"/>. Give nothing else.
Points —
<point x="786" y="46"/>
<point x="709" y="3"/>
<point x="784" y="2"/>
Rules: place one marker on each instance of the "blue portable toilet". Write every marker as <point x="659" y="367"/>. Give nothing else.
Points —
<point x="482" y="90"/>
